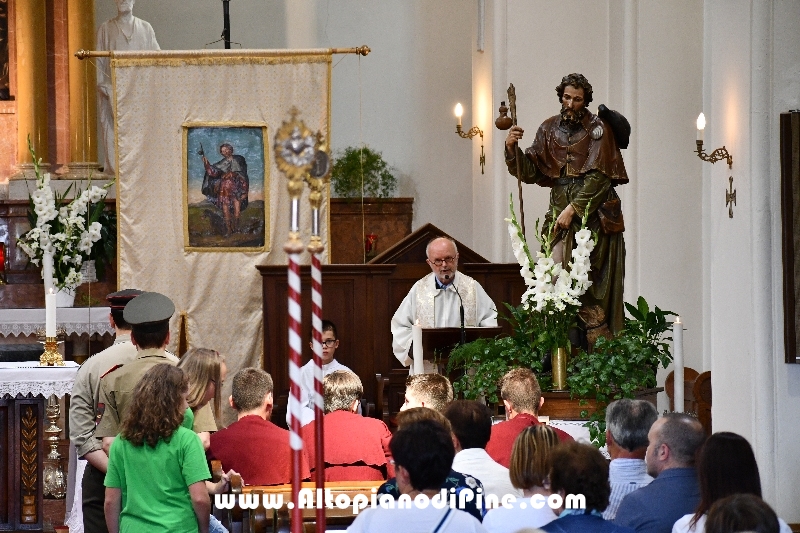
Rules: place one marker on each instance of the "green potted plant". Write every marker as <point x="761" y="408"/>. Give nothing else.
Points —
<point x="360" y="171"/>
<point x="619" y="367"/>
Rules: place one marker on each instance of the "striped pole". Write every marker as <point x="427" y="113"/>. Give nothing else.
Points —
<point x="295" y="440"/>
<point x="318" y="397"/>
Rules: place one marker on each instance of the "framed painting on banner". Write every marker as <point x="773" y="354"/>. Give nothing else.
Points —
<point x="225" y="187"/>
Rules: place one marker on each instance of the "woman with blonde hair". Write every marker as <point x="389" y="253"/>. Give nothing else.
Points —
<point x="529" y="467"/>
<point x="156" y="467"/>
<point x="206" y="371"/>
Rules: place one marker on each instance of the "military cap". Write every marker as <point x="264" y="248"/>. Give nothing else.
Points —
<point x="149" y="308"/>
<point x="118" y="300"/>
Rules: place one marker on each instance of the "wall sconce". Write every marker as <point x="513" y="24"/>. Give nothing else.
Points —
<point x="475" y="130"/>
<point x="717" y="155"/>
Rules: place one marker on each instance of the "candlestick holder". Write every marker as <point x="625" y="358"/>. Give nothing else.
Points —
<point x="54" y="481"/>
<point x="51" y="356"/>
<point x="475" y="130"/>
<point x="717" y="155"/>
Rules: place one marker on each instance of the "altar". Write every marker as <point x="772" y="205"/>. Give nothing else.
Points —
<point x="24" y="392"/>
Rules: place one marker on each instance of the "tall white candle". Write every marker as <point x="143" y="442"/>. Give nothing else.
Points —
<point x="677" y="343"/>
<point x="47" y="272"/>
<point x="701" y="126"/>
<point x="50" y="312"/>
<point x="416" y="345"/>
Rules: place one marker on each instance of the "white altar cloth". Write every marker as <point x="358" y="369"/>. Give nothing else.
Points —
<point x="78" y="320"/>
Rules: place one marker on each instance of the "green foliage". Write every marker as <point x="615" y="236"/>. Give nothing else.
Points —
<point x="616" y="368"/>
<point x="485" y="361"/>
<point x="360" y="170"/>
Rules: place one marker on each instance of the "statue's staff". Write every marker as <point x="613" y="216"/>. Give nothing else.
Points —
<point x="503" y="123"/>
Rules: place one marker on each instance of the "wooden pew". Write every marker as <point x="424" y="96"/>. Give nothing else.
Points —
<point x="696" y="395"/>
<point x="262" y="520"/>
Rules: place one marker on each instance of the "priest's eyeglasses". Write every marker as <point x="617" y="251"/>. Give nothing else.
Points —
<point x="440" y="262"/>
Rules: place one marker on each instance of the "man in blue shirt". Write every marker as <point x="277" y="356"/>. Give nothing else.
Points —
<point x="673" y="441"/>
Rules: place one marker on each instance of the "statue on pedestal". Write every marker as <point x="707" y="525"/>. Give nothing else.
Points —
<point x="123" y="32"/>
<point x="577" y="155"/>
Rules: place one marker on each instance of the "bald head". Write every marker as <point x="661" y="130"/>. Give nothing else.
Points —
<point x="673" y="441"/>
<point x="443" y="258"/>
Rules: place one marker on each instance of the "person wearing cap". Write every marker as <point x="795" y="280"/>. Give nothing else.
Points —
<point x="83" y="412"/>
<point x="148" y="315"/>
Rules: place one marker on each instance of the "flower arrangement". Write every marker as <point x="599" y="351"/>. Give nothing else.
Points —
<point x="553" y="291"/>
<point x="66" y="231"/>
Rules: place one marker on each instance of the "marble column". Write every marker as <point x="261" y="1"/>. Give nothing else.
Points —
<point x="83" y="132"/>
<point x="58" y="97"/>
<point x="31" y="93"/>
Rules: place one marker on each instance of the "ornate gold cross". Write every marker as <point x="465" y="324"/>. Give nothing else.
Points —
<point x="730" y="197"/>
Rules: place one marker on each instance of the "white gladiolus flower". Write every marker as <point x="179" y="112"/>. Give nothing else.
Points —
<point x="94" y="231"/>
<point x="96" y="194"/>
<point x="85" y="244"/>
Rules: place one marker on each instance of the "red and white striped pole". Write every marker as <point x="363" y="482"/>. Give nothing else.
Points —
<point x="318" y="396"/>
<point x="295" y="439"/>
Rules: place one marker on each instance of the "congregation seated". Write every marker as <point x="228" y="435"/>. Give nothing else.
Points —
<point x="455" y="481"/>
<point x="529" y="471"/>
<point x="726" y="466"/>
<point x="522" y="398"/>
<point x="471" y="426"/>
<point x="356" y="448"/>
<point x="742" y="512"/>
<point x="423" y="453"/>
<point x="579" y="468"/>
<point x="673" y="441"/>
<point x="428" y="390"/>
<point x="253" y="446"/>
<point x="627" y="424"/>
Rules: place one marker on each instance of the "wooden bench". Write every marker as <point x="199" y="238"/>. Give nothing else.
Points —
<point x="696" y="395"/>
<point x="263" y="520"/>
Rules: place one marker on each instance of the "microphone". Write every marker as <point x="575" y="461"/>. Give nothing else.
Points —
<point x="447" y="278"/>
<point x="461" y="309"/>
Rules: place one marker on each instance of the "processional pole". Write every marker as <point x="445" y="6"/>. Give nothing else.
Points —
<point x="317" y="178"/>
<point x="226" y="23"/>
<point x="296" y="152"/>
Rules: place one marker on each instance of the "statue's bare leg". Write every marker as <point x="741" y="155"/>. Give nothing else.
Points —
<point x="558" y="253"/>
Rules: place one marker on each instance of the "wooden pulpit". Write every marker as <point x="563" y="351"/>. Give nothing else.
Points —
<point x="361" y="299"/>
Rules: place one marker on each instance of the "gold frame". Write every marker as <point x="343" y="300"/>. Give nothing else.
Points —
<point x="185" y="185"/>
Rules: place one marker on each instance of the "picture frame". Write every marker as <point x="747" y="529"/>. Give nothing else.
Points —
<point x="226" y="187"/>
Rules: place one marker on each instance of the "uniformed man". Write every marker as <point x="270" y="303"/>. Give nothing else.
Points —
<point x="83" y="412"/>
<point x="148" y="315"/>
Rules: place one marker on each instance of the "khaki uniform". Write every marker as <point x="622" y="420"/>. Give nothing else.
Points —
<point x="116" y="392"/>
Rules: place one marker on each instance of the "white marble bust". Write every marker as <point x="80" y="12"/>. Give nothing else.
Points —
<point x="123" y="32"/>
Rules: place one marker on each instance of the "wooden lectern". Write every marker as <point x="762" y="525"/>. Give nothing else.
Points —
<point x="438" y="342"/>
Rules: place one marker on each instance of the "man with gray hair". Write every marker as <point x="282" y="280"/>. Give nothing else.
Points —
<point x="672" y="442"/>
<point x="436" y="300"/>
<point x="627" y="424"/>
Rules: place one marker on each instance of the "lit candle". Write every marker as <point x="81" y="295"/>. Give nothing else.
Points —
<point x="701" y="126"/>
<point x="50" y="312"/>
<point x="416" y="345"/>
<point x="677" y="346"/>
<point x="459" y="112"/>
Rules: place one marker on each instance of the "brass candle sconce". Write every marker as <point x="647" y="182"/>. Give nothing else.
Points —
<point x="717" y="155"/>
<point x="475" y="130"/>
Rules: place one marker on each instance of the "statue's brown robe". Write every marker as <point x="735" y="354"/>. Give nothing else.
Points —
<point x="581" y="170"/>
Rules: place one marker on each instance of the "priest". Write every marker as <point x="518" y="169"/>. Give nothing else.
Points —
<point x="435" y="301"/>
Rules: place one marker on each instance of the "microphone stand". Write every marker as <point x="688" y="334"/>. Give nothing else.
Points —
<point x="461" y="309"/>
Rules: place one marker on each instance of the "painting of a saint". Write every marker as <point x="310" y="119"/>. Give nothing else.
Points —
<point x="225" y="204"/>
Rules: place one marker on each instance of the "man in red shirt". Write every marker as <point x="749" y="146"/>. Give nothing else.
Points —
<point x="254" y="446"/>
<point x="522" y="397"/>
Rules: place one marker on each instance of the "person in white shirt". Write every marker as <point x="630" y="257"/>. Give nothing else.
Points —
<point x="471" y="424"/>
<point x="627" y="424"/>
<point x="423" y="453"/>
<point x="726" y="465"/>
<point x="330" y="343"/>
<point x="530" y="466"/>
<point x="435" y="301"/>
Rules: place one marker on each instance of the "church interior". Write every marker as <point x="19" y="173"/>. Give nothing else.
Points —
<point x="717" y="260"/>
